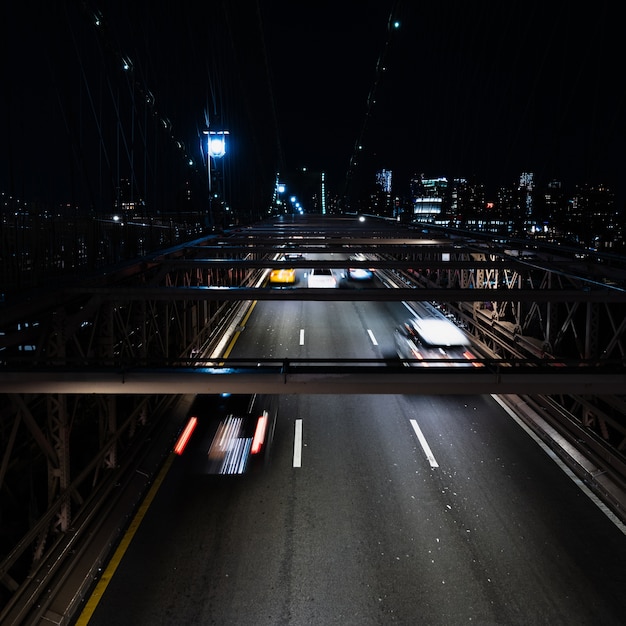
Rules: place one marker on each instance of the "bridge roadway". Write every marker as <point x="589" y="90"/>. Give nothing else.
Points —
<point x="286" y="377"/>
<point x="347" y="468"/>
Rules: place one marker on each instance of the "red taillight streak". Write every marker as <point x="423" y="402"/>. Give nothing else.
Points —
<point x="259" y="434"/>
<point x="183" y="440"/>
<point x="468" y="355"/>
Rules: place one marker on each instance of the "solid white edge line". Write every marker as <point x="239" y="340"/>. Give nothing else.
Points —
<point x="371" y="334"/>
<point x="424" y="444"/>
<point x="410" y="309"/>
<point x="297" y="444"/>
<point x="302" y="336"/>
<point x="568" y="472"/>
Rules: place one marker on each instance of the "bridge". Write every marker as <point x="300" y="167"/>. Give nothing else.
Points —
<point x="105" y="337"/>
<point x="109" y="356"/>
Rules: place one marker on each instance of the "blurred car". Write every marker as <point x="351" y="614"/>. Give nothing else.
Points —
<point x="322" y="277"/>
<point x="294" y="256"/>
<point x="234" y="433"/>
<point x="283" y="276"/>
<point x="432" y="342"/>
<point x="360" y="273"/>
<point x="406" y="347"/>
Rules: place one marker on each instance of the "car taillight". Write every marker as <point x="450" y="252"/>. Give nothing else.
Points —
<point x="468" y="355"/>
<point x="183" y="440"/>
<point x="259" y="434"/>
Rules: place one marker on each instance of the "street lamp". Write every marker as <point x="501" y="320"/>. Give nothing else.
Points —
<point x="216" y="149"/>
<point x="280" y="190"/>
<point x="217" y="143"/>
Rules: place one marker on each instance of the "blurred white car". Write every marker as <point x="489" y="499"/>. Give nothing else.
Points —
<point x="432" y="342"/>
<point x="322" y="277"/>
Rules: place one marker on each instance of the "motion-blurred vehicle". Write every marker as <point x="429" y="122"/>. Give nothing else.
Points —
<point x="432" y="342"/>
<point x="360" y="273"/>
<point x="233" y="435"/>
<point x="322" y="277"/>
<point x="283" y="276"/>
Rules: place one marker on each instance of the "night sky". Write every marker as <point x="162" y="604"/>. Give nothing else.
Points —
<point x="480" y="90"/>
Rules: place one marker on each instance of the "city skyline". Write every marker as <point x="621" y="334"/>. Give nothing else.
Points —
<point x="482" y="92"/>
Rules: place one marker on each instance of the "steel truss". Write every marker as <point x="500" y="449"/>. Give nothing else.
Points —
<point x="61" y="450"/>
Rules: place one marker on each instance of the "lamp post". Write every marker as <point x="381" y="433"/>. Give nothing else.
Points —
<point x="280" y="190"/>
<point x="216" y="149"/>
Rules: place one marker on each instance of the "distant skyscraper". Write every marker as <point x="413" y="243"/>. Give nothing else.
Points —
<point x="593" y="217"/>
<point x="383" y="179"/>
<point x="381" y="199"/>
<point x="434" y="187"/>
<point x="526" y="190"/>
<point x="554" y="205"/>
<point x="430" y="198"/>
<point x="427" y="209"/>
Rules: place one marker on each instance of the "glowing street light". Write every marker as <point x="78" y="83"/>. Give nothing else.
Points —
<point x="280" y="190"/>
<point x="217" y="143"/>
<point x="216" y="149"/>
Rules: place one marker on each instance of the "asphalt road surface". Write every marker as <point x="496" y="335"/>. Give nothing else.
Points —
<point x="378" y="509"/>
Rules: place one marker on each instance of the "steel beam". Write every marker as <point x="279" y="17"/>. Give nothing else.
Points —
<point x="329" y="380"/>
<point x="122" y="294"/>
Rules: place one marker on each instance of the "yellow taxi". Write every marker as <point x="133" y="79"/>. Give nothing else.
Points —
<point x="283" y="276"/>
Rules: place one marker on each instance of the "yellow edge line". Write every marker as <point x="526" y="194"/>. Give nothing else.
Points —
<point x="231" y="345"/>
<point x="106" y="577"/>
<point x="111" y="568"/>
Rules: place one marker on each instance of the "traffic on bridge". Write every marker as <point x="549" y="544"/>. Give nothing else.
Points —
<point x="352" y="404"/>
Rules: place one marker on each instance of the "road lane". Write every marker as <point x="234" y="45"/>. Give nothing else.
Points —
<point x="363" y="530"/>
